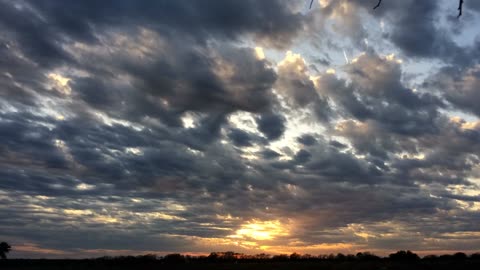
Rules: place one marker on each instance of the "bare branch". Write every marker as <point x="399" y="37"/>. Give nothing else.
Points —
<point x="460" y="8"/>
<point x="311" y="3"/>
<point x="378" y="4"/>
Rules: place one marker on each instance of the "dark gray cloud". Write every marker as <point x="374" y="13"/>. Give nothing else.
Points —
<point x="271" y="125"/>
<point x="414" y="27"/>
<point x="299" y="91"/>
<point x="458" y="86"/>
<point x="269" y="154"/>
<point x="271" y="21"/>
<point x="416" y="31"/>
<point x="240" y="137"/>
<point x="376" y="92"/>
<point x="37" y="39"/>
<point x="307" y="140"/>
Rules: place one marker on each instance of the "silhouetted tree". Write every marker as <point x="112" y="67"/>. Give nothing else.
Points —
<point x="295" y="256"/>
<point x="4" y="249"/>
<point x="340" y="257"/>
<point x="229" y="256"/>
<point x="350" y="257"/>
<point x="475" y="256"/>
<point x="174" y="258"/>
<point x="403" y="255"/>
<point x="147" y="257"/>
<point x="262" y="256"/>
<point x="281" y="257"/>
<point x="430" y="257"/>
<point x="445" y="257"/>
<point x="307" y="257"/>
<point x="367" y="256"/>
<point x="213" y="256"/>
<point x="460" y="256"/>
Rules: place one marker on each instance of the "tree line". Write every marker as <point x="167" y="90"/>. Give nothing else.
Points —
<point x="230" y="256"/>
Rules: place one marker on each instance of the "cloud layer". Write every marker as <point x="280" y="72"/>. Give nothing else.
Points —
<point x="194" y="126"/>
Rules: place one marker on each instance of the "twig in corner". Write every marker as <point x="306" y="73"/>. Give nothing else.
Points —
<point x="460" y="7"/>
<point x="378" y="4"/>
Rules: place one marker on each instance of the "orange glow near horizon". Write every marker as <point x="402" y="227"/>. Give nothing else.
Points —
<point x="261" y="230"/>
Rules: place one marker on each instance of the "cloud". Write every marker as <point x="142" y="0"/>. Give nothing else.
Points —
<point x="273" y="22"/>
<point x="458" y="87"/>
<point x="271" y="125"/>
<point x="377" y="92"/>
<point x="307" y="140"/>
<point x="298" y="89"/>
<point x="159" y="127"/>
<point x="240" y="137"/>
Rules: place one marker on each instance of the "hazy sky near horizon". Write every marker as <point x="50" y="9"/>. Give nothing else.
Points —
<point x="132" y="127"/>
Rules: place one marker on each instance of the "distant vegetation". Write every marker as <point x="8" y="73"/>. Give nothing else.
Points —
<point x="231" y="260"/>
<point x="4" y="249"/>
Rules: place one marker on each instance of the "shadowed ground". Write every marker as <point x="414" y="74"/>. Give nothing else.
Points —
<point x="156" y="264"/>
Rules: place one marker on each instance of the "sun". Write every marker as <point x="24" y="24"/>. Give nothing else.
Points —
<point x="261" y="230"/>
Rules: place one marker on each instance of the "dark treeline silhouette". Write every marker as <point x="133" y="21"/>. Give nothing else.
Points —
<point x="232" y="260"/>
<point x="4" y="249"/>
<point x="230" y="256"/>
<point x="233" y="257"/>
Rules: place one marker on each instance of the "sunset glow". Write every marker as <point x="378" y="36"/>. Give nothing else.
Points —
<point x="261" y="230"/>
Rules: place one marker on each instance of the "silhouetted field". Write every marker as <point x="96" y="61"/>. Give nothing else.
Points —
<point x="92" y="265"/>
<point x="407" y="261"/>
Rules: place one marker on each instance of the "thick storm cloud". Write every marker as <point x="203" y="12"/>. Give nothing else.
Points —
<point x="130" y="127"/>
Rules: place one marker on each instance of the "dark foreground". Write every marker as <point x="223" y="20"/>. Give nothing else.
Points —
<point x="321" y="265"/>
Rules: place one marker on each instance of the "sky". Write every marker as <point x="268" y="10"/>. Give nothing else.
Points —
<point x="134" y="127"/>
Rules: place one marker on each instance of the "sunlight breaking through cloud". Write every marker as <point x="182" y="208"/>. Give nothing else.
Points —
<point x="261" y="230"/>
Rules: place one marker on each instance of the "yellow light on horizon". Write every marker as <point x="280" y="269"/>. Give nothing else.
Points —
<point x="261" y="230"/>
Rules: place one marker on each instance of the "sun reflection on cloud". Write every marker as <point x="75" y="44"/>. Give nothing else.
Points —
<point x="261" y="230"/>
<point x="84" y="186"/>
<point x="259" y="53"/>
<point x="60" y="83"/>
